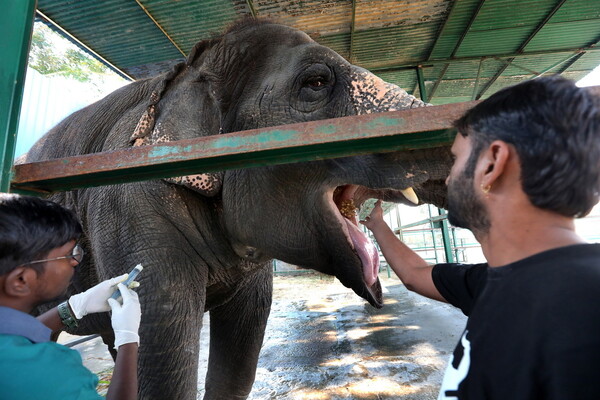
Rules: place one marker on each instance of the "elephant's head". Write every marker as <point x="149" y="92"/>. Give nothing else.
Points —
<point x="261" y="74"/>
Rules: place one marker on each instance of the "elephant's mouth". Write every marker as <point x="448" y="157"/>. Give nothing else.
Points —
<point x="348" y="199"/>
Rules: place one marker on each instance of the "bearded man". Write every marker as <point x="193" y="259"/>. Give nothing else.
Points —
<point x="526" y="164"/>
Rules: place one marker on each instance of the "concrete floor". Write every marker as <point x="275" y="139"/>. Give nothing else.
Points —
<point x="325" y="343"/>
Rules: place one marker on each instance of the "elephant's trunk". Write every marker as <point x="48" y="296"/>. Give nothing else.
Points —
<point x="371" y="94"/>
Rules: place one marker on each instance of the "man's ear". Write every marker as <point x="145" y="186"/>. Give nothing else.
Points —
<point x="20" y="282"/>
<point x="493" y="163"/>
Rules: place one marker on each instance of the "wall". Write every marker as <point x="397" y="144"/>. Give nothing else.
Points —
<point x="47" y="100"/>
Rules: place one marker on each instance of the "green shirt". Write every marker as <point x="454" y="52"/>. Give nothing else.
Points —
<point x="33" y="367"/>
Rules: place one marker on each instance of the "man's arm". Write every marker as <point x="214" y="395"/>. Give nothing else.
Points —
<point x="412" y="270"/>
<point x="93" y="300"/>
<point x="125" y="321"/>
<point x="52" y="320"/>
<point x="123" y="384"/>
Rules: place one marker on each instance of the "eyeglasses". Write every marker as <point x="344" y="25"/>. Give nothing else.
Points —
<point x="76" y="254"/>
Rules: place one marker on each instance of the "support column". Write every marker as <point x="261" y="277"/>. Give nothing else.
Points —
<point x="446" y="237"/>
<point x="16" y="24"/>
<point x="421" y="81"/>
<point x="432" y="227"/>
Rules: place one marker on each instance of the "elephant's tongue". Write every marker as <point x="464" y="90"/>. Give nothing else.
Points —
<point x="367" y="252"/>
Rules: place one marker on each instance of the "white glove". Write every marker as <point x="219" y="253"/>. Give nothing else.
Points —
<point x="95" y="298"/>
<point x="126" y="317"/>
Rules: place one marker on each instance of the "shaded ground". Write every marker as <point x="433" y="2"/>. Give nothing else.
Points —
<point x="325" y="343"/>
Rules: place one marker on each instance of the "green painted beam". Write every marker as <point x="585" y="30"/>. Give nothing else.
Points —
<point x="424" y="127"/>
<point x="16" y="23"/>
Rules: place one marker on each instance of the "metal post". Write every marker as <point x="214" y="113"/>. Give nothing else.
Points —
<point x="16" y="23"/>
<point x="432" y="227"/>
<point x="421" y="81"/>
<point x="456" y="250"/>
<point x="446" y="237"/>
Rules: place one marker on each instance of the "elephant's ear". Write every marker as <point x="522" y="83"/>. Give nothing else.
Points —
<point x="146" y="132"/>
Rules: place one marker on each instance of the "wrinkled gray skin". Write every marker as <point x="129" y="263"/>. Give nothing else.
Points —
<point x="208" y="247"/>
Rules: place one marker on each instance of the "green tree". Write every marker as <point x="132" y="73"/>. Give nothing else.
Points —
<point x="45" y="58"/>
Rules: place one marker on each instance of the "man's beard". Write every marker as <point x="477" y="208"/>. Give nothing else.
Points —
<point x="465" y="210"/>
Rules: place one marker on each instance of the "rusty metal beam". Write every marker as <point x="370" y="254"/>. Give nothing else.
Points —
<point x="372" y="133"/>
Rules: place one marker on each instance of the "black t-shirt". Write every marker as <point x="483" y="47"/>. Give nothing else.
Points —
<point x="533" y="330"/>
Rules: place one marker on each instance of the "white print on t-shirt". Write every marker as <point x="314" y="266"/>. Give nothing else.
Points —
<point x="454" y="377"/>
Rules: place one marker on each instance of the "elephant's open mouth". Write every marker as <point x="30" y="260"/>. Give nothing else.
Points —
<point x="348" y="199"/>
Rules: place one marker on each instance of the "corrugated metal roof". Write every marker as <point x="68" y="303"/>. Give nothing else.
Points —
<point x="468" y="48"/>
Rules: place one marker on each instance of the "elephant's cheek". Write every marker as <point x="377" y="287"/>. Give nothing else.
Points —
<point x="371" y="94"/>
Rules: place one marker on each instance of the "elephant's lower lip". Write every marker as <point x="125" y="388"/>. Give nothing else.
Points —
<point x="375" y="297"/>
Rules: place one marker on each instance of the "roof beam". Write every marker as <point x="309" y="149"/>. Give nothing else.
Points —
<point x="252" y="9"/>
<point x="456" y="47"/>
<point x="570" y="62"/>
<point x="522" y="47"/>
<point x="352" y="27"/>
<point x="421" y="82"/>
<point x="160" y="27"/>
<point x="82" y="45"/>
<point x="464" y="34"/>
<point x="414" y="64"/>
<point x="567" y="63"/>
<point x="442" y="28"/>
<point x="477" y="79"/>
<point x="516" y="65"/>
<point x="438" y="80"/>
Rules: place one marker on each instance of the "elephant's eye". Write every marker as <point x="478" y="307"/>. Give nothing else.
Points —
<point x="316" y="82"/>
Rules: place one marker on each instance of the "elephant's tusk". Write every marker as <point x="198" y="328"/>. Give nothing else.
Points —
<point x="410" y="195"/>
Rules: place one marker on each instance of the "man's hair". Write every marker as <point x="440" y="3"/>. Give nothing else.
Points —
<point x="30" y="228"/>
<point x="555" y="129"/>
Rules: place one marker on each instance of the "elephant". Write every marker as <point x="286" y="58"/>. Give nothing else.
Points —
<point x="207" y="241"/>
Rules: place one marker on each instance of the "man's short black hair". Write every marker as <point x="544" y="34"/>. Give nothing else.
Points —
<point x="555" y="129"/>
<point x="30" y="228"/>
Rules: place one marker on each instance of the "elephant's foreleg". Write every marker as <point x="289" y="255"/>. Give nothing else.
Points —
<point x="169" y="347"/>
<point x="237" y="330"/>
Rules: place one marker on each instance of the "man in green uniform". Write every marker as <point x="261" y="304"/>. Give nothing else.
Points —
<point x="38" y="254"/>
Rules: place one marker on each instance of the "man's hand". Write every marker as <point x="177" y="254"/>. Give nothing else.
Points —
<point x="94" y="299"/>
<point x="375" y="219"/>
<point x="126" y="317"/>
